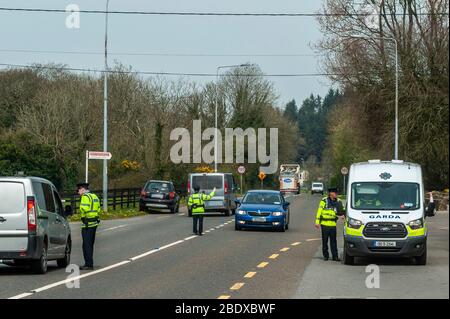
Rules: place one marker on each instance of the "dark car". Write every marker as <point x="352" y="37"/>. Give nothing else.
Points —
<point x="262" y="209"/>
<point x="157" y="195"/>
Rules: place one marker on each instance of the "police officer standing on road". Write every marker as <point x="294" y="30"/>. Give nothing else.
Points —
<point x="196" y="204"/>
<point x="90" y="210"/>
<point x="327" y="215"/>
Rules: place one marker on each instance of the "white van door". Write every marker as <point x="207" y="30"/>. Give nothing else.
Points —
<point x="13" y="217"/>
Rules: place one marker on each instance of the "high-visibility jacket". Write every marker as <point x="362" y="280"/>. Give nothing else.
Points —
<point x="327" y="215"/>
<point x="196" y="202"/>
<point x="90" y="210"/>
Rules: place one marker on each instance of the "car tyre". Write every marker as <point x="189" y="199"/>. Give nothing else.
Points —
<point x="236" y="227"/>
<point x="65" y="261"/>
<point x="348" y="260"/>
<point x="40" y="266"/>
<point x="422" y="259"/>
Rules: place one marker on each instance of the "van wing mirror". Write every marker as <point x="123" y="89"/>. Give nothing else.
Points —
<point x="430" y="210"/>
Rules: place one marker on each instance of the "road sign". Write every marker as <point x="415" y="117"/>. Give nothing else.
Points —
<point x="344" y="170"/>
<point x="99" y="155"/>
<point x="241" y="169"/>
<point x="261" y="175"/>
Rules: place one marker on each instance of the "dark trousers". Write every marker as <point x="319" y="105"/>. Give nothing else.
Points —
<point x="329" y="232"/>
<point x="197" y="219"/>
<point x="88" y="235"/>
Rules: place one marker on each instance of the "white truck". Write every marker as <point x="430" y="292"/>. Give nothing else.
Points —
<point x="386" y="211"/>
<point x="290" y="178"/>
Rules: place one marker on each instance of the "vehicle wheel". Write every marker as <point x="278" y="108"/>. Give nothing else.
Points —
<point x="348" y="260"/>
<point x="64" y="262"/>
<point x="422" y="260"/>
<point x="287" y="226"/>
<point x="236" y="227"/>
<point x="40" y="266"/>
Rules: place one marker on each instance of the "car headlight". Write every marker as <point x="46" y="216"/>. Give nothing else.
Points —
<point x="354" y="223"/>
<point x="242" y="212"/>
<point x="276" y="214"/>
<point x="416" y="224"/>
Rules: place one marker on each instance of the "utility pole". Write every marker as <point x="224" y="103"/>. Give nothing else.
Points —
<point x="105" y="116"/>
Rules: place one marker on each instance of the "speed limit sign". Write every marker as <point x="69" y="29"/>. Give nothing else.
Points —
<point x="241" y="169"/>
<point x="344" y="170"/>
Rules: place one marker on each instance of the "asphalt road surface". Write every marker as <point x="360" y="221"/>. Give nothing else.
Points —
<point x="157" y="256"/>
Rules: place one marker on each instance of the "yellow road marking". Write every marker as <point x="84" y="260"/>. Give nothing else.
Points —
<point x="250" y="274"/>
<point x="274" y="256"/>
<point x="296" y="243"/>
<point x="284" y="249"/>
<point x="263" y="264"/>
<point x="237" y="286"/>
<point x="224" y="297"/>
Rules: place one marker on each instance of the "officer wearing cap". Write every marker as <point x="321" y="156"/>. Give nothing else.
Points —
<point x="90" y="210"/>
<point x="330" y="208"/>
<point x="196" y="204"/>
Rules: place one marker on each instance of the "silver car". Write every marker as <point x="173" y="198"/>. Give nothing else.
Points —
<point x="224" y="198"/>
<point x="33" y="224"/>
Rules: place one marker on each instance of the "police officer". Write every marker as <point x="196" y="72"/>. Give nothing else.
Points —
<point x="196" y="204"/>
<point x="327" y="215"/>
<point x="90" y="210"/>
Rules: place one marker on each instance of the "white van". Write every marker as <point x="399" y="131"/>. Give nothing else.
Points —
<point x="33" y="225"/>
<point x="386" y="213"/>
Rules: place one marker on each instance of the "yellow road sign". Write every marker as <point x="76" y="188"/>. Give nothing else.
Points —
<point x="261" y="175"/>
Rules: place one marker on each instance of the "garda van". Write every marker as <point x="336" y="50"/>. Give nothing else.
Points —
<point x="386" y="213"/>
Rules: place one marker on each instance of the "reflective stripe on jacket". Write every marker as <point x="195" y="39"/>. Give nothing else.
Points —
<point x="326" y="215"/>
<point x="196" y="202"/>
<point x="90" y="210"/>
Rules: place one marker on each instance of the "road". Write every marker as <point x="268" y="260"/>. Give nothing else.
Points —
<point x="157" y="256"/>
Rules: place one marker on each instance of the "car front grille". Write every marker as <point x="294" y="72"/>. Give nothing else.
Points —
<point x="261" y="214"/>
<point x="385" y="230"/>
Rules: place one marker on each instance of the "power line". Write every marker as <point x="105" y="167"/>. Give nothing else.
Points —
<point x="156" y="53"/>
<point x="212" y="13"/>
<point x="160" y="73"/>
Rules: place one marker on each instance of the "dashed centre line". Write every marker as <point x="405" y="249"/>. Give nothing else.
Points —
<point x="237" y="286"/>
<point x="263" y="264"/>
<point x="250" y="274"/>
<point x="224" y="297"/>
<point x="284" y="249"/>
<point x="274" y="256"/>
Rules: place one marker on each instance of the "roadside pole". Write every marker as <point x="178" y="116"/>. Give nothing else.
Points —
<point x="241" y="171"/>
<point x="261" y="176"/>
<point x="87" y="167"/>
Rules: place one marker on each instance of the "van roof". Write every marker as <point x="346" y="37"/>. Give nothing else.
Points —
<point x="23" y="178"/>
<point x="389" y="171"/>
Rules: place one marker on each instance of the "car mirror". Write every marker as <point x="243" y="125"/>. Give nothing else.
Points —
<point x="286" y="204"/>
<point x="430" y="210"/>
<point x="68" y="210"/>
<point x="237" y="201"/>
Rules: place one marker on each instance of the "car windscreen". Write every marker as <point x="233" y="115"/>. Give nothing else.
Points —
<point x="159" y="187"/>
<point x="12" y="197"/>
<point x="208" y="181"/>
<point x="262" y="198"/>
<point x="385" y="196"/>
<point x="317" y="185"/>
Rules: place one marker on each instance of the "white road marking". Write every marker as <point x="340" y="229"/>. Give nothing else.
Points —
<point x="91" y="273"/>
<point x="22" y="295"/>
<point x="313" y="239"/>
<point x="112" y="228"/>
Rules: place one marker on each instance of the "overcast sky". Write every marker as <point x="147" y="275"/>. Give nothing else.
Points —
<point x="173" y="35"/>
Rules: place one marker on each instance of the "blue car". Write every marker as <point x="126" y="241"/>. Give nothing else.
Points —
<point x="262" y="209"/>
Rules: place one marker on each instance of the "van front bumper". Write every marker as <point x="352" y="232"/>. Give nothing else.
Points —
<point x="34" y="249"/>
<point x="362" y="247"/>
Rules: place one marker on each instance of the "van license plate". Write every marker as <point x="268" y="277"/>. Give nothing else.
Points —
<point x="384" y="244"/>
<point x="259" y="219"/>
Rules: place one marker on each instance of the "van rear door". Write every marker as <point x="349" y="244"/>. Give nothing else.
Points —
<point x="13" y="216"/>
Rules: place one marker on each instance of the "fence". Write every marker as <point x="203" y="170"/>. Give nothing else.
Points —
<point x="117" y="198"/>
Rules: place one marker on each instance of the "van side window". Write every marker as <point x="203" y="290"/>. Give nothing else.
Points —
<point x="49" y="201"/>
<point x="39" y="193"/>
<point x="59" y="207"/>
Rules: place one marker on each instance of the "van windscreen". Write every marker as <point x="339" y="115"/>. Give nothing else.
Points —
<point x="208" y="182"/>
<point x="385" y="196"/>
<point x="12" y="197"/>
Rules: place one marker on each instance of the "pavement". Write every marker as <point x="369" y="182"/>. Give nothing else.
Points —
<point x="157" y="256"/>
